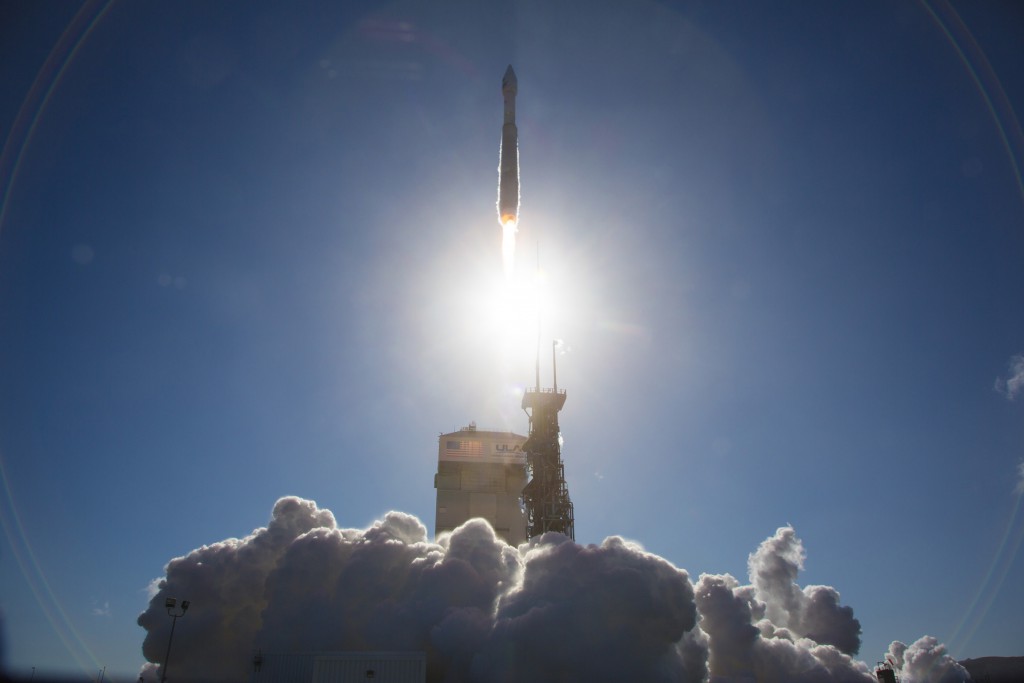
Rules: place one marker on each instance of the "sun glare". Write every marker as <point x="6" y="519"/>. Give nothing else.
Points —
<point x="512" y="307"/>
<point x="506" y="314"/>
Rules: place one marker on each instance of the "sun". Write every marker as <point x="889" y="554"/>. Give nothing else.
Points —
<point x="512" y="308"/>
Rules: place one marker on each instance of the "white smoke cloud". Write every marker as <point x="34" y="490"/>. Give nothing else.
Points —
<point x="772" y="630"/>
<point x="484" y="611"/>
<point x="1014" y="383"/>
<point x="926" y="661"/>
<point x="813" y="612"/>
<point x="225" y="583"/>
<point x="1019" y="489"/>
<point x="608" y="612"/>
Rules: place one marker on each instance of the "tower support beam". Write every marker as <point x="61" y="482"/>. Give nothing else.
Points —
<point x="546" y="496"/>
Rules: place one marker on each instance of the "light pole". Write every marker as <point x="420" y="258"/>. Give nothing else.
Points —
<point x="170" y="604"/>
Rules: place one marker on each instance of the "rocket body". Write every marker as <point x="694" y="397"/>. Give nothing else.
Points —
<point x="508" y="164"/>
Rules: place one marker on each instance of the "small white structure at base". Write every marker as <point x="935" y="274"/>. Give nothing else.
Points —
<point x="340" y="667"/>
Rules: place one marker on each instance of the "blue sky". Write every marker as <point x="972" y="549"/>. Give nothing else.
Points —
<point x="250" y="250"/>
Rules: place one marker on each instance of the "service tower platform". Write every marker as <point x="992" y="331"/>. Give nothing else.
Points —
<point x="546" y="496"/>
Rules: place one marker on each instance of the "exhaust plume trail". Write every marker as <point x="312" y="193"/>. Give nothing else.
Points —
<point x="508" y="247"/>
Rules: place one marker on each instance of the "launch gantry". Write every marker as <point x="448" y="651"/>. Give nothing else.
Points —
<point x="546" y="496"/>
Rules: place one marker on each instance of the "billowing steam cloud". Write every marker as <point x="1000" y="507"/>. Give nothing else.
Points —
<point x="485" y="611"/>
<point x="813" y="612"/>
<point x="745" y="647"/>
<point x="926" y="660"/>
<point x="225" y="583"/>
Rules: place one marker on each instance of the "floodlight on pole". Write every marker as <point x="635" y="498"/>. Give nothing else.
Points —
<point x="170" y="604"/>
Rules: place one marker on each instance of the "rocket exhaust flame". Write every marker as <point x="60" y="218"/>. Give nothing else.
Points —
<point x="508" y="246"/>
<point x="508" y="171"/>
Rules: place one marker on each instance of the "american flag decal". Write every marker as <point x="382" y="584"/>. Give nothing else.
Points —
<point x="463" y="449"/>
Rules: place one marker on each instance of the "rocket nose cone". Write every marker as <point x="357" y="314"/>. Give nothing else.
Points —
<point x="509" y="81"/>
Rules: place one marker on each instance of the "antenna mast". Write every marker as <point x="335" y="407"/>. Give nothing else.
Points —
<point x="537" y="285"/>
<point x="554" y="364"/>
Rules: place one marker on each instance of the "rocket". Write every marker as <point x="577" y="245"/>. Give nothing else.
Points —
<point x="508" y="159"/>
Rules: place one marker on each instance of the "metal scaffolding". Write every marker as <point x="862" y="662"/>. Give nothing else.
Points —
<point x="546" y="496"/>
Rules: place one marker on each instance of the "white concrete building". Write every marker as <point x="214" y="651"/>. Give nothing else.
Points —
<point x="481" y="474"/>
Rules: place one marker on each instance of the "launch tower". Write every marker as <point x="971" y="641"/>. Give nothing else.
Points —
<point x="546" y="496"/>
